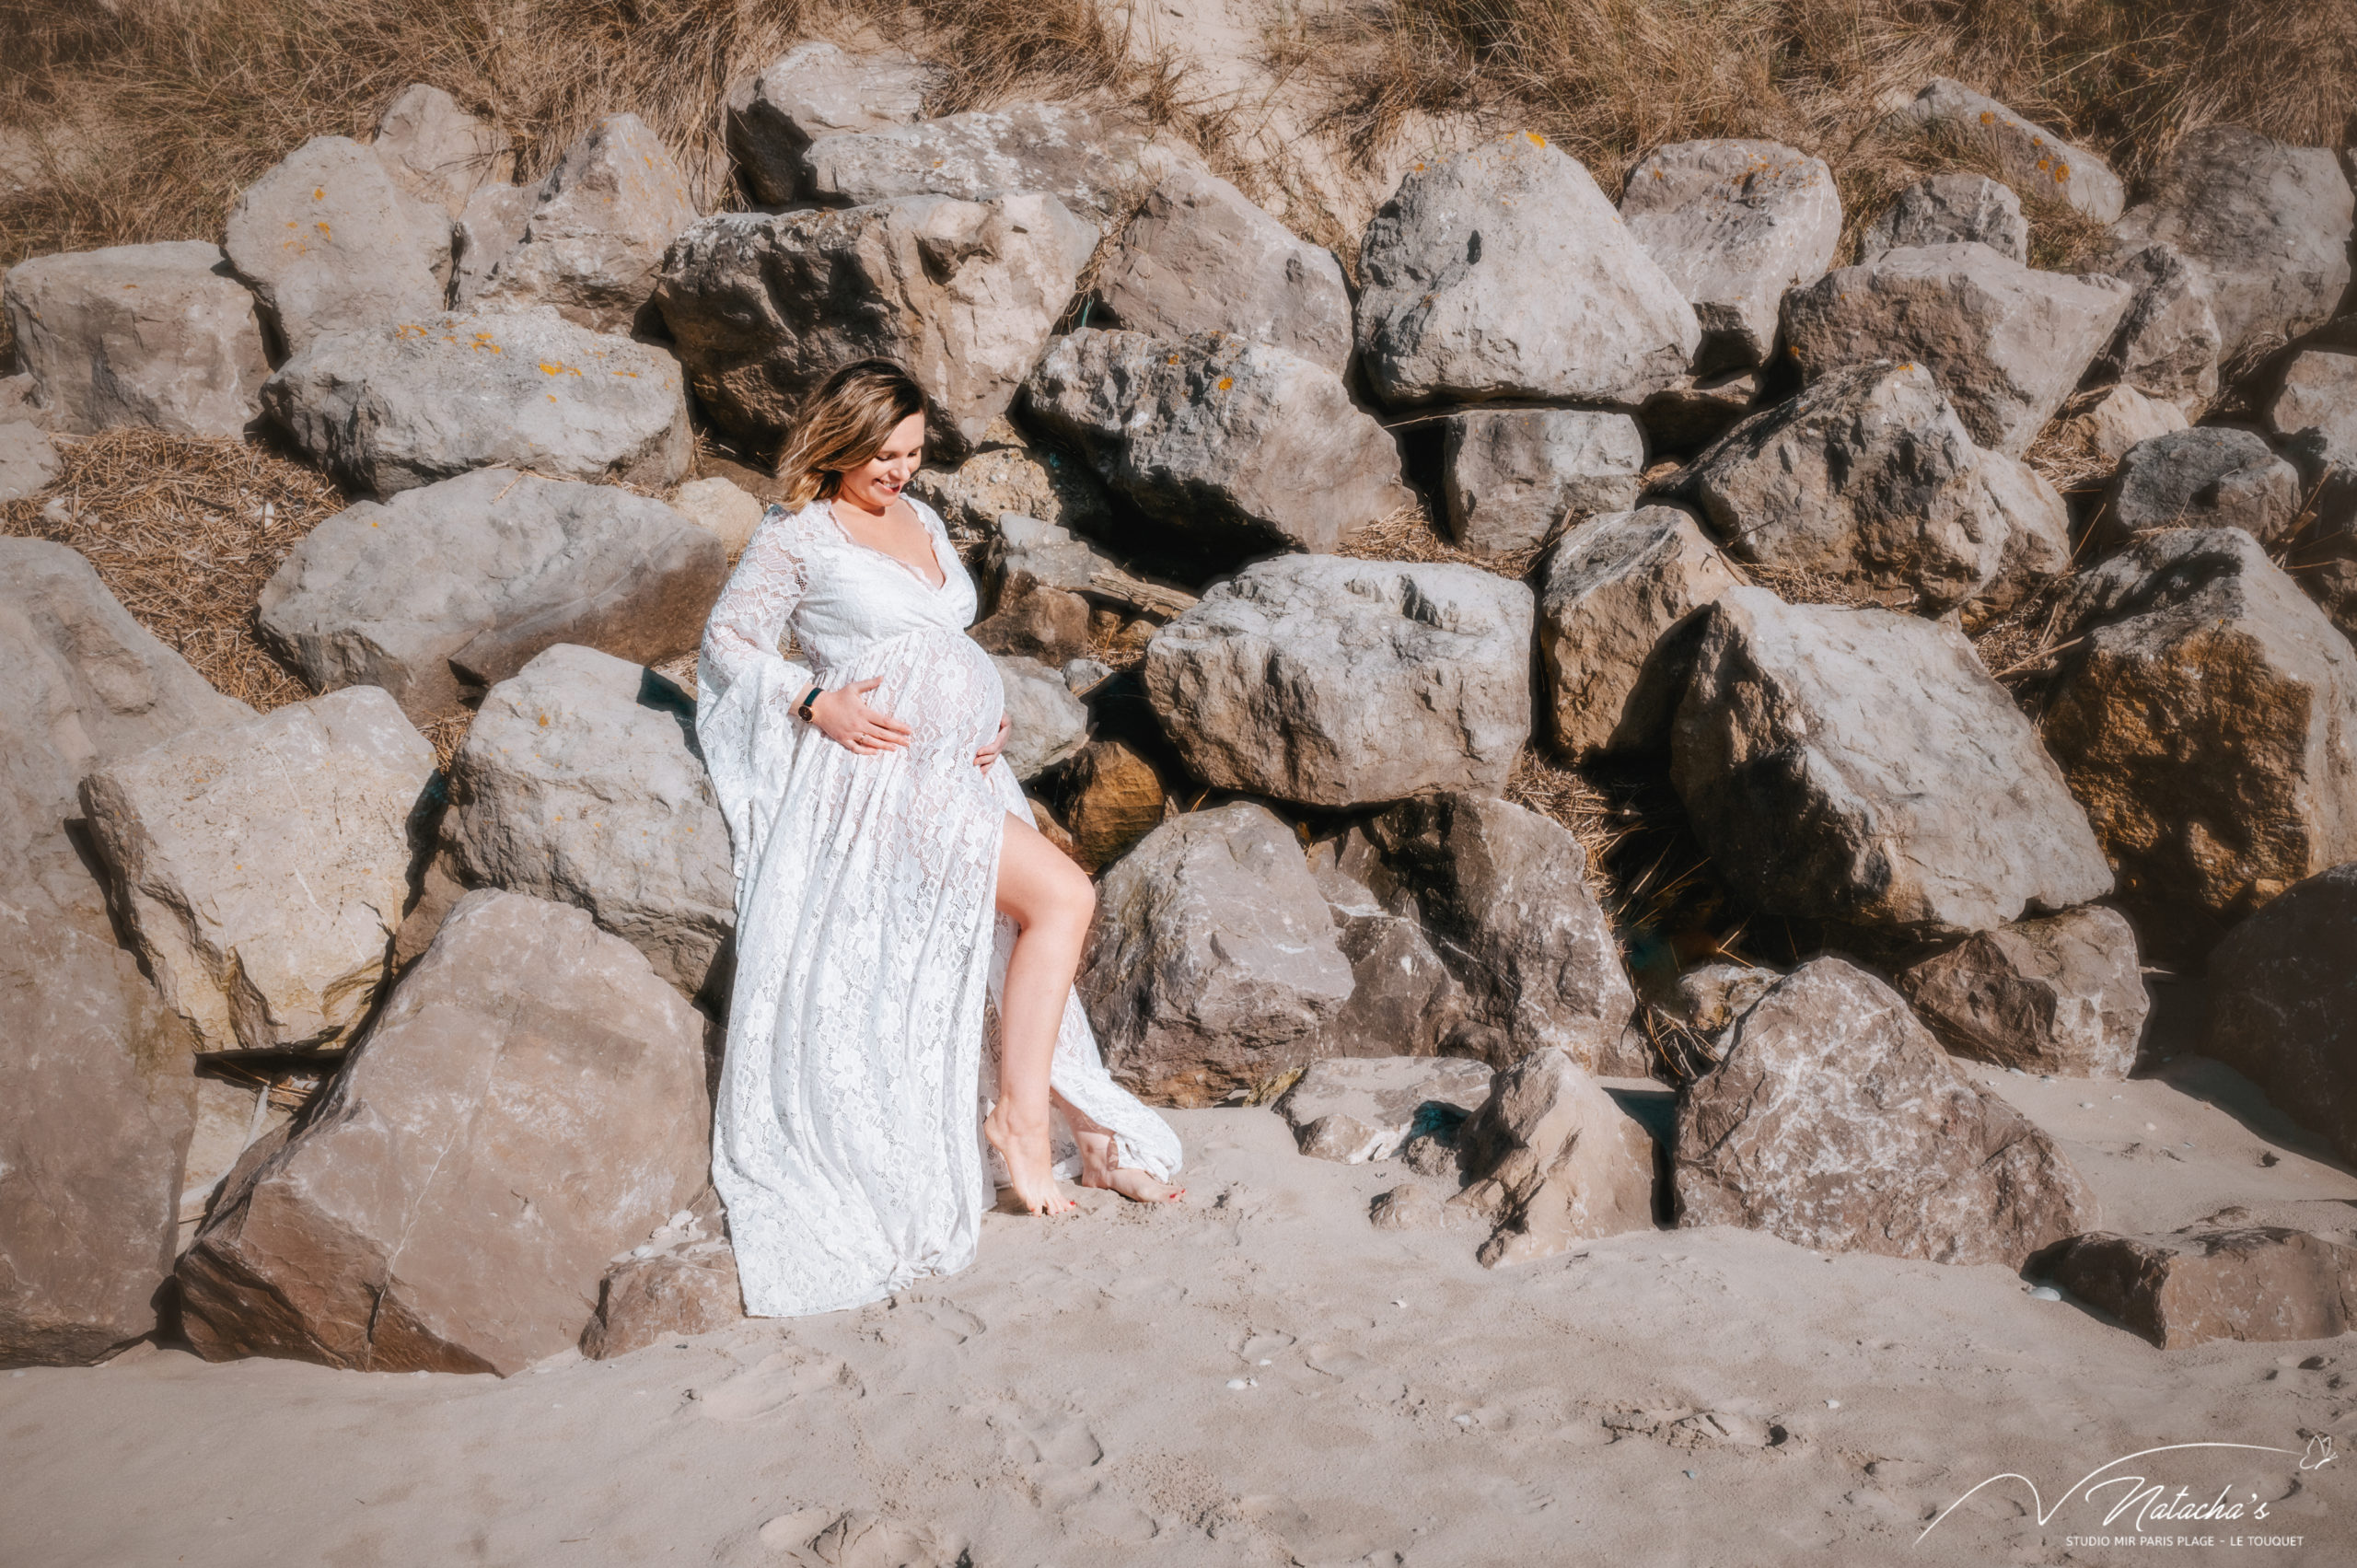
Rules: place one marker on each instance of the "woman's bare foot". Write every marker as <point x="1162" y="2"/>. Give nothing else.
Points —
<point x="1031" y="1163"/>
<point x="1097" y="1170"/>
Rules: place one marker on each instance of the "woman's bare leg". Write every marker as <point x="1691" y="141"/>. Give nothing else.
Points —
<point x="1050" y="901"/>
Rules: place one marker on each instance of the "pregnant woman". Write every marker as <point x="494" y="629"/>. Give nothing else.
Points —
<point x="889" y="882"/>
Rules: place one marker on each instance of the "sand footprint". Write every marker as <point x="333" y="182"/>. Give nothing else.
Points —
<point x="829" y="1538"/>
<point x="1059" y="1455"/>
<point x="772" y="1385"/>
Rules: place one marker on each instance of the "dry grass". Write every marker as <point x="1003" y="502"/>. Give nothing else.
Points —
<point x="1408" y="534"/>
<point x="185" y="532"/>
<point x="1553" y="790"/>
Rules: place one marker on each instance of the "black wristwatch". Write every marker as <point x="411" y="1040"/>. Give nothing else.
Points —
<point x="802" y="709"/>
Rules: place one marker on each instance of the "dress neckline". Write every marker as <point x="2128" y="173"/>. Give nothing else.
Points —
<point x="828" y="506"/>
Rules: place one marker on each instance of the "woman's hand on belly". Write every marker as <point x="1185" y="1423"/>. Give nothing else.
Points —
<point x="996" y="744"/>
<point x="843" y="716"/>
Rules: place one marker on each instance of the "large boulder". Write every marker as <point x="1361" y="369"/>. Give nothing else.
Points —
<point x="1232" y="447"/>
<point x="2006" y="343"/>
<point x="439" y="592"/>
<point x="1112" y="798"/>
<point x="2283" y="1004"/>
<point x="963" y="293"/>
<point x="2063" y="995"/>
<point x="390" y="407"/>
<point x="1861" y="767"/>
<point x="816" y="89"/>
<point x="580" y="782"/>
<point x="1007" y="474"/>
<point x="1553" y="1161"/>
<point x="1734" y="223"/>
<point x="1199" y="257"/>
<point x="437" y="151"/>
<point x="1950" y="209"/>
<point x="2252" y="1282"/>
<point x="1339" y="682"/>
<point x="1837" y="1122"/>
<point x="1404" y="1001"/>
<point x="1093" y="165"/>
<point x="598" y="228"/>
<point x="2208" y="478"/>
<point x="1452" y="305"/>
<point x="1617" y="602"/>
<point x="160" y="335"/>
<point x="2266" y="224"/>
<point x="2319" y="393"/>
<point x="2039" y="543"/>
<point x="2168" y="346"/>
<point x="263" y="867"/>
<point x="1511" y="475"/>
<point x="1503" y="893"/>
<point x="1357" y="1109"/>
<point x="2032" y="156"/>
<point x="1212" y="968"/>
<point x="1049" y="584"/>
<point x="2207" y="717"/>
<point x="1046" y="724"/>
<point x="330" y="242"/>
<point x="531" y="1102"/>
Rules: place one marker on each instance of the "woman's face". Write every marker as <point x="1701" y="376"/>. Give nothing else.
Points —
<point x="877" y="482"/>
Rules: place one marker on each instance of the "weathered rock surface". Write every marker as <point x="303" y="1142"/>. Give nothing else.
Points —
<point x="1340" y="682"/>
<point x="2319" y="393"/>
<point x="1734" y="223"/>
<point x="2168" y="346"/>
<point x="2266" y="224"/>
<point x="1554" y="1161"/>
<point x="1837" y="1122"/>
<point x="2210" y="478"/>
<point x="600" y="224"/>
<point x="721" y="509"/>
<point x="160" y="335"/>
<point x="2034" y="157"/>
<point x="1512" y="474"/>
<point x="2118" y="419"/>
<point x="1113" y="797"/>
<point x="1354" y="1109"/>
<point x="1956" y="208"/>
<point x="2208" y="722"/>
<point x="1404" y="1002"/>
<point x="2006" y="343"/>
<point x="1447" y="310"/>
<point x="681" y="1281"/>
<point x="1094" y="165"/>
<point x="816" y="89"/>
<point x="2063" y="995"/>
<point x="263" y="867"/>
<point x="27" y="459"/>
<point x="1502" y="892"/>
<point x="1046" y="724"/>
<point x="330" y="242"/>
<point x="1697" y="410"/>
<point x="1709" y="998"/>
<point x="1617" y="598"/>
<point x="437" y="151"/>
<point x="579" y="781"/>
<point x="2283" y="1004"/>
<point x="442" y="591"/>
<point x="1859" y="767"/>
<point x="1007" y="475"/>
<point x="447" y="1207"/>
<point x="2038" y="541"/>
<point x="486" y="234"/>
<point x="962" y="293"/>
<point x="1212" y="967"/>
<point x="1199" y="257"/>
<point x="1047" y="585"/>
<point x="394" y="406"/>
<point x="1232" y="447"/>
<point x="2191" y="1286"/>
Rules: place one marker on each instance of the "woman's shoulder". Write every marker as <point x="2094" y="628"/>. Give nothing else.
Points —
<point x="925" y="514"/>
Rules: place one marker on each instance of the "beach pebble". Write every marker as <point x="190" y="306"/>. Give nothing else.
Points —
<point x="2045" y="1292"/>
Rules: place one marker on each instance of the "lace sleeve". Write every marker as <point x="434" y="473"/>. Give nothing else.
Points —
<point x="745" y="690"/>
<point x="752" y="610"/>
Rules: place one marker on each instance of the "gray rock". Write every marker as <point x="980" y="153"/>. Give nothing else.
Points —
<point x="2208" y="478"/>
<point x="263" y="867"/>
<point x="443" y="1210"/>
<point x="2266" y="224"/>
<point x="330" y="242"/>
<point x="1859" y="767"/>
<point x="1094" y="165"/>
<point x="1231" y="447"/>
<point x="816" y="89"/>
<point x="2319" y="393"/>
<point x="440" y="592"/>
<point x="2283" y="1004"/>
<point x="2208" y="718"/>
<point x="1199" y="257"/>
<point x="1354" y="1109"/>
<point x="2039" y="544"/>
<point x="2006" y="343"/>
<point x="2116" y="419"/>
<point x="1554" y="1160"/>
<point x="1693" y="411"/>
<point x="27" y="460"/>
<point x="1339" y="682"/>
<point x="2251" y="1283"/>
<point x="1007" y="474"/>
<point x="157" y="335"/>
<point x="1404" y="1001"/>
<point x="437" y="151"/>
<point x="2033" y="157"/>
<point x="675" y="1293"/>
<point x="962" y="293"/>
<point x="1617" y="602"/>
<point x="389" y="408"/>
<point x="2168" y="346"/>
<point x="599" y="226"/>
<point x="1707" y="999"/>
<point x="579" y="781"/>
<point x="1048" y="584"/>
<point x="1837" y="1122"/>
<point x="1503" y="893"/>
<point x="1734" y="223"/>
<point x="721" y="509"/>
<point x="1045" y="722"/>
<point x="1212" y="967"/>
<point x="488" y="231"/>
<point x="1511" y="475"/>
<point x="2063" y="995"/>
<point x="1447" y="308"/>
<point x="1951" y="209"/>
<point x="1410" y="1206"/>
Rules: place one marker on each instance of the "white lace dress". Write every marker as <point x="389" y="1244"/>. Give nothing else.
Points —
<point x="847" y="1140"/>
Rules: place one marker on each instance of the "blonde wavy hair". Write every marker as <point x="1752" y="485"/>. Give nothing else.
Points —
<point x="843" y="423"/>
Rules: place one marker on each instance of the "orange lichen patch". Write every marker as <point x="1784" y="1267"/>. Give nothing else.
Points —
<point x="1225" y="382"/>
<point x="325" y="233"/>
<point x="1536" y="139"/>
<point x="2061" y="172"/>
<point x="319" y="193"/>
<point x="1988" y="117"/>
<point x="406" y="328"/>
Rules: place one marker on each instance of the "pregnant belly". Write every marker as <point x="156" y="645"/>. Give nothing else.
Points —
<point x="940" y="684"/>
